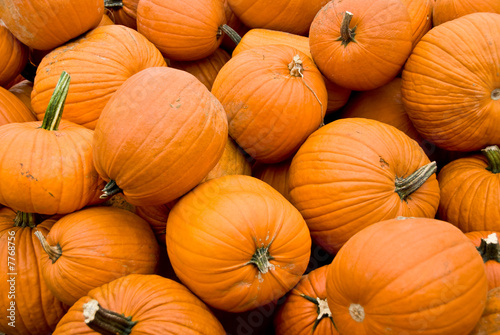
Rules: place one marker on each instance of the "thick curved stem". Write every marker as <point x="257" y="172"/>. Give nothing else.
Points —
<point x="489" y="249"/>
<point x="113" y="3"/>
<point x="106" y="322"/>
<point x="110" y="189"/>
<point x="53" y="114"/>
<point x="347" y="34"/>
<point x="24" y="220"/>
<point x="492" y="153"/>
<point x="54" y="252"/>
<point x="406" y="186"/>
<point x="233" y="35"/>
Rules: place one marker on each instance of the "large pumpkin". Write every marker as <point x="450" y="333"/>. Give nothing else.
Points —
<point x="237" y="243"/>
<point x="409" y="276"/>
<point x="447" y="10"/>
<point x="99" y="62"/>
<point x="361" y="45"/>
<point x="13" y="56"/>
<point x="46" y="24"/>
<point x="93" y="246"/>
<point x="139" y="304"/>
<point x="274" y="97"/>
<point x="158" y="136"/>
<point x="470" y="189"/>
<point x="451" y="83"/>
<point x="488" y="247"/>
<point x="355" y="172"/>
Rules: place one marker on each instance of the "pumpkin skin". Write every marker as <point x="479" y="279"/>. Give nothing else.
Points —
<point x="181" y="123"/>
<point x="12" y="109"/>
<point x="27" y="20"/>
<point x="22" y="91"/>
<point x="420" y="12"/>
<point x="271" y="110"/>
<point x="200" y="36"/>
<point x="407" y="276"/>
<point x="275" y="175"/>
<point x="469" y="194"/>
<point x="170" y="308"/>
<point x="451" y="83"/>
<point x="283" y="15"/>
<point x="343" y="178"/>
<point x="37" y="312"/>
<point x="373" y="59"/>
<point x="126" y="14"/>
<point x="113" y="242"/>
<point x="99" y="62"/>
<point x="13" y="56"/>
<point x="157" y="217"/>
<point x="206" y="69"/>
<point x="447" y="10"/>
<point x="244" y="217"/>
<point x="489" y="324"/>
<point x="488" y="251"/>
<point x="300" y="316"/>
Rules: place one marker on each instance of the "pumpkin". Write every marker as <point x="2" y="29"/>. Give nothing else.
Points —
<point x="290" y="16"/>
<point x="237" y="243"/>
<point x="106" y="21"/>
<point x="451" y="83"/>
<point x="22" y="91"/>
<point x="305" y="310"/>
<point x="203" y="23"/>
<point x="409" y="276"/>
<point x="420" y="12"/>
<point x="447" y="10"/>
<point x="13" y="56"/>
<point x="275" y="175"/>
<point x="28" y="20"/>
<point x="120" y="307"/>
<point x="157" y="217"/>
<point x="175" y="117"/>
<point x="47" y="166"/>
<point x="361" y="45"/>
<point x="123" y="12"/>
<point x="354" y="172"/>
<point x="93" y="246"/>
<point x="206" y="69"/>
<point x="12" y="109"/>
<point x="98" y="62"/>
<point x="489" y="323"/>
<point x="274" y="97"/>
<point x="487" y="244"/>
<point x="470" y="189"/>
<point x="29" y="308"/>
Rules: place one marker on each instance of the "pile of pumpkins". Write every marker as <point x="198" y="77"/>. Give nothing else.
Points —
<point x="176" y="166"/>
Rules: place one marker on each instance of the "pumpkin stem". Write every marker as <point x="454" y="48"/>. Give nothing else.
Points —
<point x="53" y="113"/>
<point x="357" y="312"/>
<point x="106" y="322"/>
<point x="24" y="220"/>
<point x="261" y="259"/>
<point x="54" y="252"/>
<point x="113" y="3"/>
<point x="346" y="34"/>
<point x="110" y="189"/>
<point x="296" y="68"/>
<point x="323" y="309"/>
<point x="408" y="185"/>
<point x="495" y="94"/>
<point x="489" y="249"/>
<point x="233" y="35"/>
<point x="492" y="153"/>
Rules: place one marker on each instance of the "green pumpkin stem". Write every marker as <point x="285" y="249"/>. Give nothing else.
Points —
<point x="113" y="3"/>
<point x="492" y="153"/>
<point x="261" y="259"/>
<point x="24" y="220"/>
<point x="106" y="322"/>
<point x="347" y="34"/>
<point x="233" y="35"/>
<point x="406" y="186"/>
<point x="54" y="252"/>
<point x="53" y="113"/>
<point x="110" y="189"/>
<point x="323" y="310"/>
<point x="489" y="249"/>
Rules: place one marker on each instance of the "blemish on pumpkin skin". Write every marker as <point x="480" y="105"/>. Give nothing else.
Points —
<point x="383" y="163"/>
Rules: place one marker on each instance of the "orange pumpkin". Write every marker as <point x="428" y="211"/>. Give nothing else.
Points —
<point x="157" y="217"/>
<point x="13" y="56"/>
<point x="274" y="97"/>
<point x="447" y="10"/>
<point x="352" y="173"/>
<point x="22" y="91"/>
<point x="410" y="276"/>
<point x="44" y="24"/>
<point x="275" y="175"/>
<point x="123" y="12"/>
<point x="487" y="244"/>
<point x="489" y="323"/>
<point x="109" y="241"/>
<point x="451" y="83"/>
<point x="12" y="109"/>
<point x="175" y="117"/>
<point x="420" y="12"/>
<point x="361" y="45"/>
<point x="98" y="62"/>
<point x="237" y="243"/>
<point x="139" y="304"/>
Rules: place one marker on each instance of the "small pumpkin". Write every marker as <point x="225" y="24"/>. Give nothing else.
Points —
<point x="157" y="217"/>
<point x="123" y="12"/>
<point x="407" y="276"/>
<point x="139" y="304"/>
<point x="13" y="56"/>
<point x="488" y="247"/>
<point x="489" y="323"/>
<point x="275" y="175"/>
<point x="22" y="91"/>
<point x="12" y="109"/>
